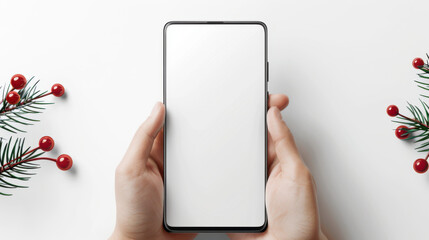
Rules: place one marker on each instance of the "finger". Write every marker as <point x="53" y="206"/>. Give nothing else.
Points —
<point x="141" y="145"/>
<point x="284" y="144"/>
<point x="278" y="100"/>
<point x="271" y="150"/>
<point x="157" y="152"/>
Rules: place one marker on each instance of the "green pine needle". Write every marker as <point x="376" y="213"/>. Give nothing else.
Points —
<point x="419" y="121"/>
<point x="10" y="154"/>
<point x="12" y="116"/>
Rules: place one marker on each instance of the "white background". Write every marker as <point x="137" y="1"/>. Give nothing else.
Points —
<point x="341" y="63"/>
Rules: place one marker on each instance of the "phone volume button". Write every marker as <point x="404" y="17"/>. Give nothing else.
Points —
<point x="268" y="71"/>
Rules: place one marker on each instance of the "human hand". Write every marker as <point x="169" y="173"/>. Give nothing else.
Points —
<point x="291" y="200"/>
<point x="139" y="184"/>
<point x="290" y="191"/>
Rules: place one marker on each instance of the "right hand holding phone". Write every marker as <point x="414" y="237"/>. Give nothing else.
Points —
<point x="290" y="191"/>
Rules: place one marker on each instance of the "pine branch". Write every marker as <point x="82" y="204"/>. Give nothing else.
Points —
<point x="15" y="163"/>
<point x="416" y="127"/>
<point x="418" y="124"/>
<point x="16" y="107"/>
<point x="424" y="76"/>
<point x="13" y="115"/>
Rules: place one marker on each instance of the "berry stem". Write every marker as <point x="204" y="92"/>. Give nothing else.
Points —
<point x="28" y="160"/>
<point x="414" y="120"/>
<point x="8" y="163"/>
<point x="22" y="103"/>
<point x="427" y="156"/>
<point x="44" y="95"/>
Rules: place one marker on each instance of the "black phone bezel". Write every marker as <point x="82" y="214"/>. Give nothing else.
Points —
<point x="216" y="229"/>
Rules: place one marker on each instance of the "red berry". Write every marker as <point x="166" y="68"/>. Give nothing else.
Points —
<point x="18" y="81"/>
<point x="420" y="165"/>
<point x="392" y="110"/>
<point x="418" y="63"/>
<point x="64" y="162"/>
<point x="401" y="132"/>
<point x="13" y="97"/>
<point x="46" y="143"/>
<point x="57" y="89"/>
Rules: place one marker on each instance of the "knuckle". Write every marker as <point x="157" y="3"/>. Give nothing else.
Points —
<point x="123" y="171"/>
<point x="128" y="170"/>
<point x="285" y="139"/>
<point x="288" y="131"/>
<point x="300" y="173"/>
<point x="120" y="170"/>
<point x="280" y="141"/>
<point x="306" y="174"/>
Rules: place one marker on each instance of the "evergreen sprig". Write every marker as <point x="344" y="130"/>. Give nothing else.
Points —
<point x="13" y="115"/>
<point x="424" y="75"/>
<point x="418" y="123"/>
<point x="14" y="165"/>
<point x="16" y="160"/>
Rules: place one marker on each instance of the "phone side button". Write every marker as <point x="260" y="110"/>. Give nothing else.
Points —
<point x="268" y="71"/>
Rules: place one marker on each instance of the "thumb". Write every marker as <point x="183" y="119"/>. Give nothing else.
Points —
<point x="284" y="144"/>
<point x="138" y="152"/>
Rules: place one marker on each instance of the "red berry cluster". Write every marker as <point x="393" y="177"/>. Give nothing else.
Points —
<point x="420" y="165"/>
<point x="64" y="161"/>
<point x="18" y="82"/>
<point x="46" y="143"/>
<point x="402" y="132"/>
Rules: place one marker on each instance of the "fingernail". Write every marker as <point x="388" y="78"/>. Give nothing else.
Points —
<point x="155" y="108"/>
<point x="277" y="113"/>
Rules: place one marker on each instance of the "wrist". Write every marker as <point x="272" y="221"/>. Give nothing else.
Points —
<point x="119" y="235"/>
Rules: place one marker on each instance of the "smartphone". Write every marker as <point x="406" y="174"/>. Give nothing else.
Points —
<point x="215" y="134"/>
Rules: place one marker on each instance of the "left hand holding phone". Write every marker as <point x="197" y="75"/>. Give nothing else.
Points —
<point x="139" y="184"/>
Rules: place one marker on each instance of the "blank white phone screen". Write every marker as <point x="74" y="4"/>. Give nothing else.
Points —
<point x="215" y="125"/>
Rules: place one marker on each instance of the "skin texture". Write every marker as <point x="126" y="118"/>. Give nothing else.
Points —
<point x="290" y="192"/>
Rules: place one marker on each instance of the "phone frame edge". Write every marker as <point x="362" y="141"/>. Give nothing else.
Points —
<point x="225" y="229"/>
